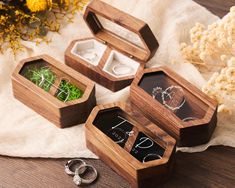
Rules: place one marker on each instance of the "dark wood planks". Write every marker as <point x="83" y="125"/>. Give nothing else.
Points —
<point x="49" y="173"/>
<point x="212" y="168"/>
<point x="218" y="7"/>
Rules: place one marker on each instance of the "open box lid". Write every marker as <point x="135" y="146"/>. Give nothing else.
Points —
<point x="98" y="14"/>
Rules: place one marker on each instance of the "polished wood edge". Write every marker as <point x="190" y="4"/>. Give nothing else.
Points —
<point x="169" y="147"/>
<point x="125" y="20"/>
<point x="212" y="105"/>
<point x="63" y="68"/>
<point x="99" y="67"/>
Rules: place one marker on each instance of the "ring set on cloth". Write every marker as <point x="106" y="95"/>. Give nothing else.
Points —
<point x="169" y="93"/>
<point x="81" y="168"/>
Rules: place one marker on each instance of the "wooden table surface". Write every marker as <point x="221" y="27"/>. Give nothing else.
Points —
<point x="212" y="168"/>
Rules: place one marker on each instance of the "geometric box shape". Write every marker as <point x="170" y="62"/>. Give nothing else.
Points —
<point x="181" y="109"/>
<point x="53" y="90"/>
<point x="121" y="47"/>
<point x="117" y="133"/>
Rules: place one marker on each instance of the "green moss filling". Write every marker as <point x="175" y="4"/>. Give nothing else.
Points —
<point x="41" y="76"/>
<point x="68" y="91"/>
<point x="44" y="78"/>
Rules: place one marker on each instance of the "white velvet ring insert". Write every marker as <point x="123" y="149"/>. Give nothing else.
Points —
<point x="122" y="69"/>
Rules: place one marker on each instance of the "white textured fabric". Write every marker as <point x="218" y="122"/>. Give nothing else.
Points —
<point x="24" y="133"/>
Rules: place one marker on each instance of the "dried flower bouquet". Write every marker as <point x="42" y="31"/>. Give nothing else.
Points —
<point x="212" y="51"/>
<point x="32" y="19"/>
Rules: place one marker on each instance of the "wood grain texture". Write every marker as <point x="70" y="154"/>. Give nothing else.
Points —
<point x="62" y="114"/>
<point x="212" y="168"/>
<point x="188" y="133"/>
<point x="113" y="42"/>
<point x="138" y="174"/>
<point x="97" y="7"/>
<point x="96" y="73"/>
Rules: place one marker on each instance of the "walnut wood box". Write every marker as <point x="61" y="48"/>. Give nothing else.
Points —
<point x="109" y="49"/>
<point x="117" y="133"/>
<point x="177" y="106"/>
<point x="61" y="113"/>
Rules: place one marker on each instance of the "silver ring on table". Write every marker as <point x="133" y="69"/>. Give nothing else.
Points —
<point x="121" y="69"/>
<point x="79" y="180"/>
<point x="72" y="162"/>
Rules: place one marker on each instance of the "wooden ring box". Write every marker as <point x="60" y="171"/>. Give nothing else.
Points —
<point x="97" y="57"/>
<point x="47" y="104"/>
<point x="117" y="133"/>
<point x="177" y="106"/>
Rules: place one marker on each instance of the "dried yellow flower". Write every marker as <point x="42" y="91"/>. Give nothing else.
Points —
<point x="37" y="5"/>
<point x="17" y="23"/>
<point x="221" y="87"/>
<point x="215" y="44"/>
<point x="212" y="51"/>
<point x="66" y="2"/>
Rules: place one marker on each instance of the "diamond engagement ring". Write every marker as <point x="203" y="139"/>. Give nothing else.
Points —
<point x="78" y="180"/>
<point x="72" y="163"/>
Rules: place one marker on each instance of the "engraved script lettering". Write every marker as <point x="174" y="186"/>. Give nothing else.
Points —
<point x="144" y="140"/>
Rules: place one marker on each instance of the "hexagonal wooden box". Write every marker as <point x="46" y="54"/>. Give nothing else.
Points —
<point x="46" y="95"/>
<point x="117" y="133"/>
<point x="121" y="47"/>
<point x="177" y="106"/>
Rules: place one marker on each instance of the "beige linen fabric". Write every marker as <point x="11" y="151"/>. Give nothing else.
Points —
<point x="24" y="133"/>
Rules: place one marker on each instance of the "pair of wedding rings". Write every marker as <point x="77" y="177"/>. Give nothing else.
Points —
<point x="168" y="93"/>
<point x="81" y="168"/>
